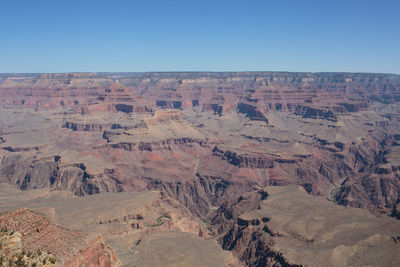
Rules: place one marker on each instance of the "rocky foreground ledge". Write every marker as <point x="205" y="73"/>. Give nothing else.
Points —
<point x="60" y="246"/>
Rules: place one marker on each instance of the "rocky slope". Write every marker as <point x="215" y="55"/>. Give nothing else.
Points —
<point x="283" y="226"/>
<point x="204" y="139"/>
<point x="12" y="254"/>
<point x="70" y="248"/>
<point x="128" y="222"/>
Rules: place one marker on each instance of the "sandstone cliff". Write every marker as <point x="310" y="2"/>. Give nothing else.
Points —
<point x="70" y="248"/>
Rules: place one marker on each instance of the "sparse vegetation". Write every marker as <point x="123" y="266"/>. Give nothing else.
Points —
<point x="14" y="256"/>
<point x="159" y="221"/>
<point x="332" y="195"/>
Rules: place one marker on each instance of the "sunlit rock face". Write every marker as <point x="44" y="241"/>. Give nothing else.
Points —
<point x="204" y="139"/>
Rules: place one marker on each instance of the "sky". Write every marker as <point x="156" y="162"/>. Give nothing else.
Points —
<point x="199" y="35"/>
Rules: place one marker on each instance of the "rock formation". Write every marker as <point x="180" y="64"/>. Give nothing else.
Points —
<point x="283" y="226"/>
<point x="204" y="139"/>
<point x="70" y="248"/>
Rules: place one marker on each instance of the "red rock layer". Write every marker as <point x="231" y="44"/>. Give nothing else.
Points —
<point x="71" y="248"/>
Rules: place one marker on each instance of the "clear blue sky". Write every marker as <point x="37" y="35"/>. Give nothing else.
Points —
<point x="200" y="35"/>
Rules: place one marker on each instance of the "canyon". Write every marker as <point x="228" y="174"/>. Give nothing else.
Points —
<point x="203" y="168"/>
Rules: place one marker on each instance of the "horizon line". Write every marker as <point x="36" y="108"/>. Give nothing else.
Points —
<point x="204" y="71"/>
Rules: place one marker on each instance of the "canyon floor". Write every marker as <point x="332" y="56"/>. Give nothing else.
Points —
<point x="202" y="169"/>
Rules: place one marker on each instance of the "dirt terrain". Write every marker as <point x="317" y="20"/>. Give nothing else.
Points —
<point x="302" y="230"/>
<point x="144" y="228"/>
<point x="152" y="164"/>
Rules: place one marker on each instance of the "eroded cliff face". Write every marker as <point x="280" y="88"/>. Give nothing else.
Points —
<point x="283" y="226"/>
<point x="128" y="222"/>
<point x="12" y="254"/>
<point x="336" y="92"/>
<point x="70" y="248"/>
<point x="203" y="140"/>
<point x="201" y="135"/>
<point x="29" y="173"/>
